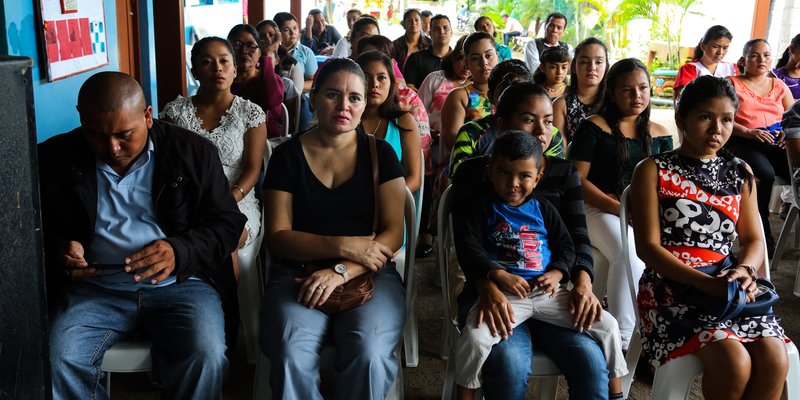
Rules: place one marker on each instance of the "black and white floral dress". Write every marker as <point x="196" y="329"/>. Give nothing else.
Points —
<point x="698" y="208"/>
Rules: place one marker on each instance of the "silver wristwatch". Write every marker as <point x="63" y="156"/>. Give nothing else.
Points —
<point x="341" y="269"/>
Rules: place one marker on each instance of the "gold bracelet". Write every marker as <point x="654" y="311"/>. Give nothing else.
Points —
<point x="240" y="189"/>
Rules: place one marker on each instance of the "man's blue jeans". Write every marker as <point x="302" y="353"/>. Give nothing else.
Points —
<point x="183" y="320"/>
<point x="508" y="35"/>
<point x="578" y="356"/>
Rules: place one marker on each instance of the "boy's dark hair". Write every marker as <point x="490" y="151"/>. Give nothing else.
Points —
<point x="517" y="145"/>
<point x="713" y="33"/>
<point x="425" y="14"/>
<point x="555" y="15"/>
<point x="315" y="11"/>
<point x="549" y="55"/>
<point x="701" y="90"/>
<point x="438" y="17"/>
<point x="503" y="69"/>
<point x="283" y="17"/>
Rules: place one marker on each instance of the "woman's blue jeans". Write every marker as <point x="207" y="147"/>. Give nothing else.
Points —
<point x="578" y="356"/>
<point x="365" y="337"/>
<point x="183" y="320"/>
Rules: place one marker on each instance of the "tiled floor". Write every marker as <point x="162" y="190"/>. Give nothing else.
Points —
<point x="425" y="381"/>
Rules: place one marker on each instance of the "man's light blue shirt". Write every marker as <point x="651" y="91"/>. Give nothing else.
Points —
<point x="126" y="220"/>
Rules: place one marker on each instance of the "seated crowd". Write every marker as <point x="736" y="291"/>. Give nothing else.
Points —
<point x="143" y="217"/>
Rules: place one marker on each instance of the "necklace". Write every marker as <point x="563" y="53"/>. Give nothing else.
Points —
<point x="376" y="126"/>
<point x="554" y="89"/>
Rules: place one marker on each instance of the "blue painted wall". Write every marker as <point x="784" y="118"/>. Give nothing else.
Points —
<point x="55" y="101"/>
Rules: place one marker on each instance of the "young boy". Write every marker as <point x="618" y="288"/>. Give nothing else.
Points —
<point x="510" y="237"/>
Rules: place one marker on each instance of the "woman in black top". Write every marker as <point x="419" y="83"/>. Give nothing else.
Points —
<point x="319" y="204"/>
<point x="413" y="40"/>
<point x="605" y="149"/>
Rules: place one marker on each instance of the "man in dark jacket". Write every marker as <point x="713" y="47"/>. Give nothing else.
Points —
<point x="139" y="225"/>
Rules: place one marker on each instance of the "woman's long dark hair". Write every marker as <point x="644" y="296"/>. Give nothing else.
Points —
<point x="701" y="90"/>
<point x="390" y="109"/>
<point x="448" y="61"/>
<point x="610" y="111"/>
<point x="795" y="43"/>
<point x="713" y="33"/>
<point x="381" y="42"/>
<point x="515" y="95"/>
<point x="573" y="74"/>
<point x="202" y="43"/>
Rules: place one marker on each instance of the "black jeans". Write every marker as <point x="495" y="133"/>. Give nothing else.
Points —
<point x="767" y="161"/>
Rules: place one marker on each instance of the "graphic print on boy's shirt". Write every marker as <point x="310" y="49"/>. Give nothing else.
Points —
<point x="517" y="239"/>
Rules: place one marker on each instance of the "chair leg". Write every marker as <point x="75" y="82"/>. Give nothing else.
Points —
<point x="108" y="384"/>
<point x="631" y="359"/>
<point x="411" y="342"/>
<point x="784" y="236"/>
<point x="548" y="387"/>
<point x="793" y="377"/>
<point x="796" y="290"/>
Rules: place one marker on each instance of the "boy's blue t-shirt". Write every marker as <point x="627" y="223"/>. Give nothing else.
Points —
<point x="517" y="238"/>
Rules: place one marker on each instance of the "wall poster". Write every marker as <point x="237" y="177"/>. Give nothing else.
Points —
<point x="74" y="33"/>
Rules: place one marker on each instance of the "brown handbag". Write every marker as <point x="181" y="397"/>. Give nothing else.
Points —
<point x="359" y="289"/>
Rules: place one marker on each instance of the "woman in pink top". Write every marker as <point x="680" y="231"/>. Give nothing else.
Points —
<point x="757" y="135"/>
<point x="707" y="59"/>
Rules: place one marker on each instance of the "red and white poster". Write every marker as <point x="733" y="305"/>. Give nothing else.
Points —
<point x="75" y="41"/>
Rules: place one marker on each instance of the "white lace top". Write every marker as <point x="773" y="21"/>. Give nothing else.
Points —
<point x="229" y="139"/>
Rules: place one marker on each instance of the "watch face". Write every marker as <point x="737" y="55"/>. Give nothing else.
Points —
<point x="340" y="268"/>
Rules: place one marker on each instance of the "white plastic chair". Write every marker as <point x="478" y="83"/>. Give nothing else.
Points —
<point x="791" y="219"/>
<point x="285" y="120"/>
<point x="406" y="268"/>
<point x="673" y="380"/>
<point x="134" y="356"/>
<point x="542" y="367"/>
<point x="411" y="331"/>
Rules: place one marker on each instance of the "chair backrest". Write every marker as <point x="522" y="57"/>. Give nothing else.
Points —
<point x="409" y="268"/>
<point x="418" y="194"/>
<point x="624" y="217"/>
<point x="445" y="240"/>
<point x="285" y="120"/>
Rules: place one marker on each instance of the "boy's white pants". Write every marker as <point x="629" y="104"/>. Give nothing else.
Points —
<point x="474" y="344"/>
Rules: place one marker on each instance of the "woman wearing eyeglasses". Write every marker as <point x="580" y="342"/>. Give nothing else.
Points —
<point x="256" y="79"/>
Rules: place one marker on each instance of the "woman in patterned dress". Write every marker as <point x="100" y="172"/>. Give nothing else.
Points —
<point x="235" y="125"/>
<point x="587" y="84"/>
<point x="704" y="199"/>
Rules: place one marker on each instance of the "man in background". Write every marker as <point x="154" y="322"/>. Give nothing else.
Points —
<point x="512" y="28"/>
<point x="554" y="28"/>
<point x="318" y="35"/>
